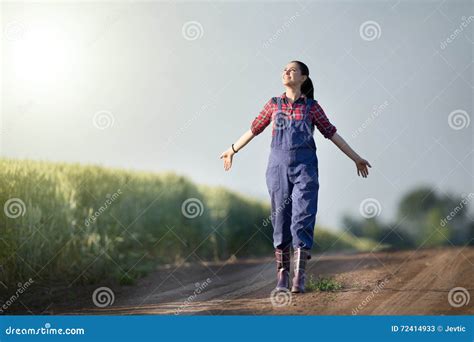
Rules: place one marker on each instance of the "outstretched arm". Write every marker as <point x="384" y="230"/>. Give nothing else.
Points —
<point x="330" y="132"/>
<point x="258" y="125"/>
<point x="238" y="145"/>
<point x="361" y="163"/>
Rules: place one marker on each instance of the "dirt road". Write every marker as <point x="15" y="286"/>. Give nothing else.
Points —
<point x="382" y="283"/>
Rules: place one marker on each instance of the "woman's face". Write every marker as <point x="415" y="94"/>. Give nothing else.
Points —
<point x="292" y="76"/>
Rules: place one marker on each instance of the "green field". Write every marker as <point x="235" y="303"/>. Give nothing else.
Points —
<point x="77" y="224"/>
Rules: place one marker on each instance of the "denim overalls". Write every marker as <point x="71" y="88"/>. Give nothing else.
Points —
<point x="292" y="179"/>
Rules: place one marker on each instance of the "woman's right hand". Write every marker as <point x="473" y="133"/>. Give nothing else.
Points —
<point x="227" y="156"/>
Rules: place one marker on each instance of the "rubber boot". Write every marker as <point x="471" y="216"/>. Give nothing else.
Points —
<point x="301" y="256"/>
<point x="282" y="257"/>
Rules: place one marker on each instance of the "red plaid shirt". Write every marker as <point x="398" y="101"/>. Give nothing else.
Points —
<point x="318" y="117"/>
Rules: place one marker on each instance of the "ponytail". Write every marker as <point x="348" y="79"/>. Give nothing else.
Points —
<point x="307" y="88"/>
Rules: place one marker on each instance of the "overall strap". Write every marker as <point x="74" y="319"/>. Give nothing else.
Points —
<point x="279" y="103"/>
<point x="309" y="103"/>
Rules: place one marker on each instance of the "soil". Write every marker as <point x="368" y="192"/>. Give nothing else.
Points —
<point x="380" y="283"/>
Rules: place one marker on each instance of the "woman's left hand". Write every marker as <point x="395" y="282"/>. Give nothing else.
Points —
<point x="362" y="169"/>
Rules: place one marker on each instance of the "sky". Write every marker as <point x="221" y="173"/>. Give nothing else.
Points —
<point x="168" y="86"/>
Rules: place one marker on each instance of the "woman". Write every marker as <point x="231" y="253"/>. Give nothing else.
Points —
<point x="292" y="172"/>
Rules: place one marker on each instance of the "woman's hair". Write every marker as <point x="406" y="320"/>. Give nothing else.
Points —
<point x="307" y="86"/>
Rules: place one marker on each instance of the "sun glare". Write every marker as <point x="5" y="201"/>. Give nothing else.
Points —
<point x="42" y="57"/>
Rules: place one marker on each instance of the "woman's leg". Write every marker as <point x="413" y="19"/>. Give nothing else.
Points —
<point x="305" y="192"/>
<point x="280" y="190"/>
<point x="305" y="206"/>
